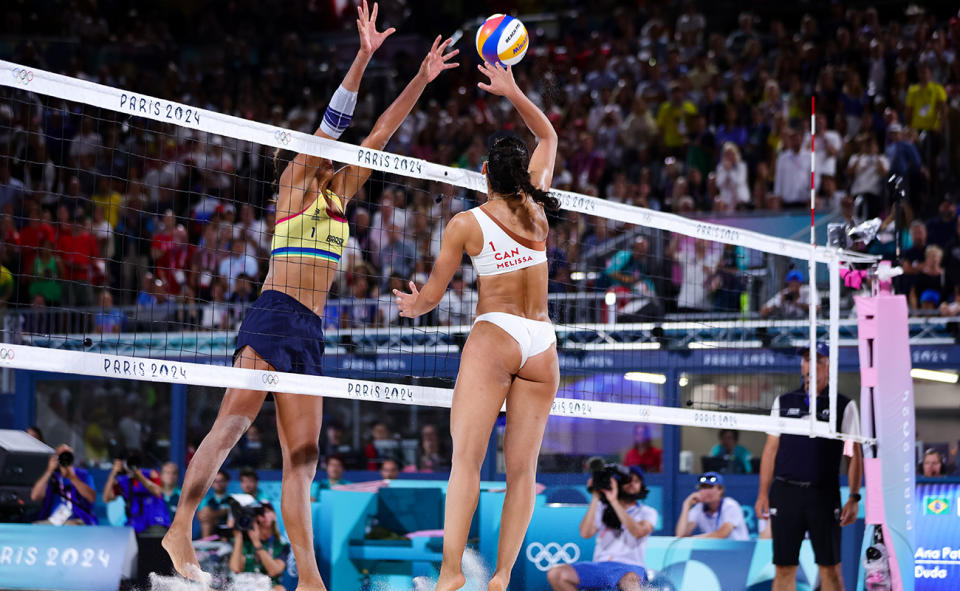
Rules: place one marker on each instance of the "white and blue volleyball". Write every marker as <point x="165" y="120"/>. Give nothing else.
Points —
<point x="502" y="40"/>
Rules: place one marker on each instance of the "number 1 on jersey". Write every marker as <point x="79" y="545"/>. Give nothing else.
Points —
<point x="492" y="247"/>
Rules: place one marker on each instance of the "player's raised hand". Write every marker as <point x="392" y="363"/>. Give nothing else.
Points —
<point x="436" y="60"/>
<point x="501" y="80"/>
<point x="370" y="38"/>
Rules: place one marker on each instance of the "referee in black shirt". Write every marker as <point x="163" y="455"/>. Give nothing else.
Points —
<point x="800" y="482"/>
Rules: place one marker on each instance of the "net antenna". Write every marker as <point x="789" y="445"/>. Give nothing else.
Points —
<point x="130" y="360"/>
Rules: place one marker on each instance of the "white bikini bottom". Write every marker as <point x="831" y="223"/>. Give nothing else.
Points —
<point x="533" y="336"/>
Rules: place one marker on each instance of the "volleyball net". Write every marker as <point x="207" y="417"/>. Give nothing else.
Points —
<point x="142" y="229"/>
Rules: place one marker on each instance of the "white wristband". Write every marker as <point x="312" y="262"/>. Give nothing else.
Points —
<point x="339" y="112"/>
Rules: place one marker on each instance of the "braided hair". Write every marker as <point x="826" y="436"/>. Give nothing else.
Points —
<point x="508" y="175"/>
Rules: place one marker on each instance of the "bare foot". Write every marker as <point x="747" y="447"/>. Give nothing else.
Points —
<point x="451" y="583"/>
<point x="177" y="544"/>
<point x="308" y="585"/>
<point x="498" y="583"/>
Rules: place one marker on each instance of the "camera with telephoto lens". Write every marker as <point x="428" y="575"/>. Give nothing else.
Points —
<point x="603" y="477"/>
<point x="245" y="510"/>
<point x="65" y="459"/>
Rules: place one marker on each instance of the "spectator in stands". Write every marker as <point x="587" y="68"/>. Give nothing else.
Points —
<point x="109" y="320"/>
<point x="389" y="469"/>
<point x="45" y="276"/>
<point x="141" y="490"/>
<point x="335" y="469"/>
<point x="791" y="180"/>
<point x="643" y="453"/>
<point x="707" y="509"/>
<point x="731" y="180"/>
<point x="432" y="455"/>
<point x="12" y="190"/>
<point x="793" y="301"/>
<point x="912" y="258"/>
<point x="261" y="549"/>
<point x="942" y="228"/>
<point x="213" y="509"/>
<point x="459" y="303"/>
<point x="868" y="169"/>
<point x="698" y="261"/>
<point x="359" y="312"/>
<point x="170" y="486"/>
<point x="382" y="445"/>
<point x="905" y="162"/>
<point x="633" y="274"/>
<point x="738" y="457"/>
<point x="215" y="315"/>
<point x="250" y="484"/>
<point x="621" y="523"/>
<point x="336" y="446"/>
<point x="239" y="262"/>
<point x="397" y="255"/>
<point x="927" y="113"/>
<point x="674" y="118"/>
<point x="933" y="464"/>
<point x="67" y="491"/>
<point x="932" y="277"/>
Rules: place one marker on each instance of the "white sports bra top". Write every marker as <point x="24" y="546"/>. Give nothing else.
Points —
<point x="504" y="250"/>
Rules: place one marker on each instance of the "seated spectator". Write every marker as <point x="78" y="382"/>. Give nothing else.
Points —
<point x="621" y="523"/>
<point x="6" y="286"/>
<point x="381" y="446"/>
<point x="712" y="513"/>
<point x="238" y="262"/>
<point x="793" y="301"/>
<point x="390" y="469"/>
<point x="432" y="456"/>
<point x="791" y="178"/>
<point x="912" y="258"/>
<point x="738" y="457"/>
<point x="109" y="320"/>
<point x="334" y="478"/>
<point x="35" y="432"/>
<point x="633" y="271"/>
<point x="643" y="453"/>
<point x="942" y="228"/>
<point x="931" y="277"/>
<point x="933" y="464"/>
<point x="251" y="451"/>
<point x="213" y="509"/>
<point x="141" y="490"/>
<point x="261" y="549"/>
<point x="169" y="485"/>
<point x="66" y="491"/>
<point x="336" y="446"/>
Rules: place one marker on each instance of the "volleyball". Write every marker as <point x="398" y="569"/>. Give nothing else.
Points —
<point x="502" y="40"/>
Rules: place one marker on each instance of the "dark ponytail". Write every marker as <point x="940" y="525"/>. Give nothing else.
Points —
<point x="507" y="172"/>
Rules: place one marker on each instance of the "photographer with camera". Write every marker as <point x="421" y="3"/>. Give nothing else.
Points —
<point x="257" y="544"/>
<point x="621" y="523"/>
<point x="715" y="515"/>
<point x="793" y="301"/>
<point x="142" y="491"/>
<point x="66" y="491"/>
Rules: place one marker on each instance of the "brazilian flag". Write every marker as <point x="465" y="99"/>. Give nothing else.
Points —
<point x="936" y="504"/>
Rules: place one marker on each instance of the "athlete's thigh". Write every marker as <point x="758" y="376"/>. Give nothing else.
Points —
<point x="299" y="419"/>
<point x="483" y="380"/>
<point x="529" y="401"/>
<point x="244" y="401"/>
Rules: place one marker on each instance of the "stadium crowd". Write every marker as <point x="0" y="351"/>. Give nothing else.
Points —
<point x="656" y="106"/>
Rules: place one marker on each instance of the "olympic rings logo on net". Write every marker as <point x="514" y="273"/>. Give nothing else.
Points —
<point x="22" y="75"/>
<point x="270" y="379"/>
<point x="7" y="354"/>
<point x="547" y="556"/>
<point x="283" y="137"/>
